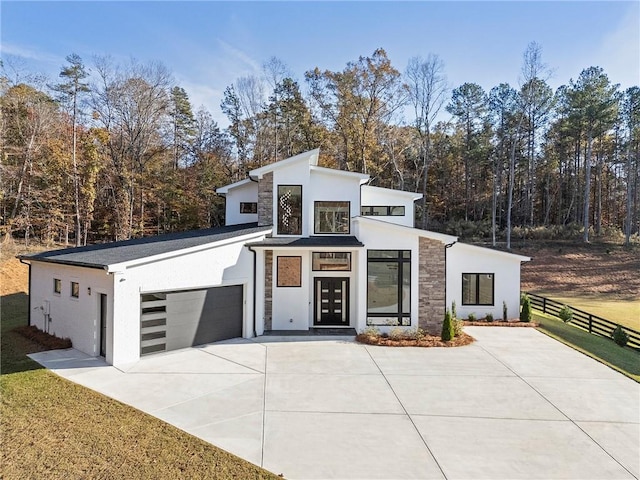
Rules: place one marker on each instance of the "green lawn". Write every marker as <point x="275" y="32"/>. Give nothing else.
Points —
<point x="624" y="312"/>
<point x="53" y="428"/>
<point x="622" y="359"/>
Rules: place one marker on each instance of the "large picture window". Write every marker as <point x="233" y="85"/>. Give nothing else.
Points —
<point x="477" y="288"/>
<point x="382" y="211"/>
<point x="389" y="287"/>
<point x="331" y="217"/>
<point x="290" y="209"/>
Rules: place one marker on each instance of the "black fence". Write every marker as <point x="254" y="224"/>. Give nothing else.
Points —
<point x="585" y="320"/>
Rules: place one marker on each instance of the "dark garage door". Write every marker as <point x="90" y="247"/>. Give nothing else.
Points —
<point x="173" y="320"/>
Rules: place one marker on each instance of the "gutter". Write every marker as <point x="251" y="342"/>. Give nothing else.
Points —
<point x="255" y="263"/>
<point x="29" y="294"/>
<point x="446" y="247"/>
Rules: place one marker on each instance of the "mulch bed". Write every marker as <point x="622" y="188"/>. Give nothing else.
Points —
<point x="467" y="323"/>
<point x="427" y="341"/>
<point x="43" y="338"/>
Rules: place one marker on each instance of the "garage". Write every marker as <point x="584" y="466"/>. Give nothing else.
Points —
<point x="173" y="320"/>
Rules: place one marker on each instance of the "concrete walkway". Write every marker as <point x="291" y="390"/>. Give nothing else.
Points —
<point x="514" y="405"/>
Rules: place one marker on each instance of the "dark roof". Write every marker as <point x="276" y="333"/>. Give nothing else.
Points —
<point x="104" y="254"/>
<point x="324" y="241"/>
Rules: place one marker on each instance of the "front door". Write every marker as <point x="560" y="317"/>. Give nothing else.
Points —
<point x="103" y="325"/>
<point x="331" y="300"/>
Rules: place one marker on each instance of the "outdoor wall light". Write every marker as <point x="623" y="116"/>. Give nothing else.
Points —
<point x="89" y="290"/>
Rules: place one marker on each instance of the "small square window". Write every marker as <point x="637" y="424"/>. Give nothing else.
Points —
<point x="57" y="286"/>
<point x="75" y="289"/>
<point x="248" y="207"/>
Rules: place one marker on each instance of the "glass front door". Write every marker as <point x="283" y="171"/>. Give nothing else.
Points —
<point x="331" y="300"/>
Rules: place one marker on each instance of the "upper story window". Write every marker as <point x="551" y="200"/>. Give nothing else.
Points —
<point x="57" y="286"/>
<point x="382" y="211"/>
<point x="248" y="207"/>
<point x="331" y="217"/>
<point x="289" y="209"/>
<point x="75" y="289"/>
<point x="477" y="288"/>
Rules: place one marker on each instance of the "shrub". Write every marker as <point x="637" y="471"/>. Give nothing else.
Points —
<point x="398" y="333"/>
<point x="565" y="314"/>
<point x="454" y="313"/>
<point x="525" y="311"/>
<point x="472" y="317"/>
<point x="457" y="327"/>
<point x="505" y="317"/>
<point x="447" y="328"/>
<point x="420" y="334"/>
<point x="371" y="331"/>
<point x="620" y="336"/>
<point x="488" y="317"/>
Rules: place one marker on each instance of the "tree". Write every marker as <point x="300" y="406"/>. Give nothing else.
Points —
<point x="183" y="125"/>
<point x="70" y="94"/>
<point x="427" y="86"/>
<point x="275" y="71"/>
<point x="593" y="106"/>
<point x="469" y="105"/>
<point x="631" y="118"/>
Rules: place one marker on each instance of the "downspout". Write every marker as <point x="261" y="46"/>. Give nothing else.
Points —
<point x="255" y="263"/>
<point x="29" y="294"/>
<point x="446" y="247"/>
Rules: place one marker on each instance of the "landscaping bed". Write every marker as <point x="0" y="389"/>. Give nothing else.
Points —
<point x="44" y="339"/>
<point x="422" y="341"/>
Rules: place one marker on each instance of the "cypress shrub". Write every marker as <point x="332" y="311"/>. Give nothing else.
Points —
<point x="620" y="336"/>
<point x="447" y="328"/>
<point x="525" y="311"/>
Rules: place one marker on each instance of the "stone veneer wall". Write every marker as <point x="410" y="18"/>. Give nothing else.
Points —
<point x="431" y="277"/>
<point x="268" y="289"/>
<point x="265" y="200"/>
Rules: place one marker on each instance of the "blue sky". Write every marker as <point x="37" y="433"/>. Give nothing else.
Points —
<point x="208" y="45"/>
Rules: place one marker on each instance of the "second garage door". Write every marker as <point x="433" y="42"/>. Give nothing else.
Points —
<point x="172" y="320"/>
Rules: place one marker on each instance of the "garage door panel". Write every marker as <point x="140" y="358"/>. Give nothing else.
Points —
<point x="193" y="318"/>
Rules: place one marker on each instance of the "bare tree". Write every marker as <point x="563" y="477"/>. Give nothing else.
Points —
<point x="427" y="86"/>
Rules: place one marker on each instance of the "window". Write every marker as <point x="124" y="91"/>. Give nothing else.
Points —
<point x="248" y="207"/>
<point x="477" y="288"/>
<point x="57" y="286"/>
<point x="331" y="217"/>
<point x="75" y="289"/>
<point x="383" y="211"/>
<point x="289" y="209"/>
<point x="289" y="272"/>
<point x="389" y="287"/>
<point x="331" y="261"/>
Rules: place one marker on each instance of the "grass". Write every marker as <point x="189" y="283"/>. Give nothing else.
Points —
<point x="624" y="312"/>
<point x="53" y="428"/>
<point x="622" y="359"/>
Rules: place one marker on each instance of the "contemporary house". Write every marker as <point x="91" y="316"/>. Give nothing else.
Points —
<point x="303" y="247"/>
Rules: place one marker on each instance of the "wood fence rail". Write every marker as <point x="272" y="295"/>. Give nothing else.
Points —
<point x="587" y="321"/>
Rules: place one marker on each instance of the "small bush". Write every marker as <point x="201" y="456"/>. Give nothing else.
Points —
<point x="398" y="333"/>
<point x="447" y="328"/>
<point x="505" y="316"/>
<point x="457" y="326"/>
<point x="472" y="317"/>
<point x="420" y="334"/>
<point x="620" y="336"/>
<point x="488" y="317"/>
<point x="565" y="314"/>
<point x="371" y="331"/>
<point x="454" y="312"/>
<point x="525" y="311"/>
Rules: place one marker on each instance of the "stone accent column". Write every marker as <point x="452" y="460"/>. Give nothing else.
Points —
<point x="431" y="278"/>
<point x="268" y="289"/>
<point x="265" y="200"/>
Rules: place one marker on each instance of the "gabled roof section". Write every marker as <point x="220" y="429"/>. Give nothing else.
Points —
<point x="363" y="177"/>
<point x="311" y="157"/>
<point x="224" y="190"/>
<point x="485" y="250"/>
<point x="315" y="241"/>
<point x="390" y="191"/>
<point x="402" y="228"/>
<point x="108" y="254"/>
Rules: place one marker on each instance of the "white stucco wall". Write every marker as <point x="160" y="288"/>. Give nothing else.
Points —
<point x="326" y="186"/>
<point x="243" y="193"/>
<point x="463" y="258"/>
<point x="222" y="265"/>
<point x="375" y="196"/>
<point x="75" y="318"/>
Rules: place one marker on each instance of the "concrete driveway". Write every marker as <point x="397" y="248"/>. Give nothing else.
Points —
<point x="515" y="404"/>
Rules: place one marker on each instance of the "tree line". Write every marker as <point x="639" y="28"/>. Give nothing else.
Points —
<point x="115" y="151"/>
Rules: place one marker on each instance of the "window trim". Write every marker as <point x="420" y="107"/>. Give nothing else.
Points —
<point x="477" y="288"/>
<point x="71" y="284"/>
<point x="313" y="269"/>
<point x="400" y="259"/>
<point x="278" y="209"/>
<point x="315" y="205"/>
<point x="57" y="286"/>
<point x="299" y="281"/>
<point x="252" y="211"/>
<point x="389" y="209"/>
